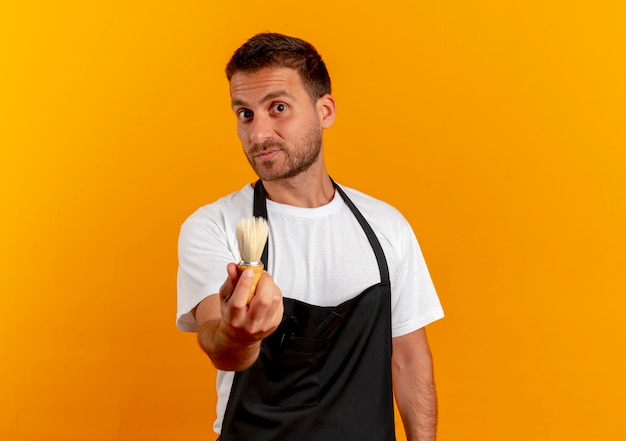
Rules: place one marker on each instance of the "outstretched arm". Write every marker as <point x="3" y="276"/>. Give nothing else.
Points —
<point x="414" y="386"/>
<point x="229" y="331"/>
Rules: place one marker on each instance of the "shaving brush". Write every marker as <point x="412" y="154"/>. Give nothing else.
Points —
<point x="251" y="237"/>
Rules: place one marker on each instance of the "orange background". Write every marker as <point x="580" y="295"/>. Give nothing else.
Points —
<point x="497" y="128"/>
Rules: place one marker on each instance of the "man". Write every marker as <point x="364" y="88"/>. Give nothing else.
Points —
<point x="310" y="357"/>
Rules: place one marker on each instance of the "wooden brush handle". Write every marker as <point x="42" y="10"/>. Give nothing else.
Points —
<point x="258" y="272"/>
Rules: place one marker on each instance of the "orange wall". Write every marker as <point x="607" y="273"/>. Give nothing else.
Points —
<point x="497" y="128"/>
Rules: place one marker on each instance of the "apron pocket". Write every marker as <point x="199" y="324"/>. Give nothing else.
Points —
<point x="287" y="375"/>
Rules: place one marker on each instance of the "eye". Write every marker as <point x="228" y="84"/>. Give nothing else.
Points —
<point x="279" y="108"/>
<point x="244" y="114"/>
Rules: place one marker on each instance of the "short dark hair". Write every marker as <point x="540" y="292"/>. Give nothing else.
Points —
<point x="278" y="50"/>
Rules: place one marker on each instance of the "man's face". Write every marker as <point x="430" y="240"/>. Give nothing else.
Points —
<point x="277" y="123"/>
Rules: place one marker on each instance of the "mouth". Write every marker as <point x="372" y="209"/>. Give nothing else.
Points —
<point x="267" y="155"/>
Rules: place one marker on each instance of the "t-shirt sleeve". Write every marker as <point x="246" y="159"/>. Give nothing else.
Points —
<point x="203" y="254"/>
<point x="415" y="303"/>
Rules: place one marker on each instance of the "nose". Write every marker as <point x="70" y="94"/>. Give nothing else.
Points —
<point x="261" y="129"/>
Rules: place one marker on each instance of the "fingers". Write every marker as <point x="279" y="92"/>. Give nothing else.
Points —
<point x="264" y="313"/>
<point x="267" y="295"/>
<point x="266" y="306"/>
<point x="234" y="308"/>
<point x="226" y="290"/>
<point x="233" y="273"/>
<point x="231" y="284"/>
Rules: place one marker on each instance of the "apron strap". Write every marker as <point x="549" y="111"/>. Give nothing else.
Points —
<point x="260" y="210"/>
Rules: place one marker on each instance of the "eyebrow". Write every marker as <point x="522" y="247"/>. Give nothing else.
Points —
<point x="269" y="96"/>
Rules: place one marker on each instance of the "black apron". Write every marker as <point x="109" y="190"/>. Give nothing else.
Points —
<point x="325" y="373"/>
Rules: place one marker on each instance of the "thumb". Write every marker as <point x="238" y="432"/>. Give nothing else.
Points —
<point x="243" y="287"/>
<point x="233" y="273"/>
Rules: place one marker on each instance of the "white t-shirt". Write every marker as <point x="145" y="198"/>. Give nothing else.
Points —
<point x="317" y="255"/>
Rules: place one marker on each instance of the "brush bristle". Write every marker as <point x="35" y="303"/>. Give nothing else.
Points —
<point x="251" y="237"/>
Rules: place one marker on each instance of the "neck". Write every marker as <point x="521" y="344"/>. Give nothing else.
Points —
<point x="304" y="190"/>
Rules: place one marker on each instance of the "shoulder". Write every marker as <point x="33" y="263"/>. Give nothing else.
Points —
<point x="376" y="211"/>
<point x="234" y="205"/>
<point x="389" y="224"/>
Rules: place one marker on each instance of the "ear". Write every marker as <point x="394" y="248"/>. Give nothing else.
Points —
<point x="326" y="110"/>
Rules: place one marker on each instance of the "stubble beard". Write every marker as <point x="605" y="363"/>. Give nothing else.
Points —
<point x="296" y="162"/>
